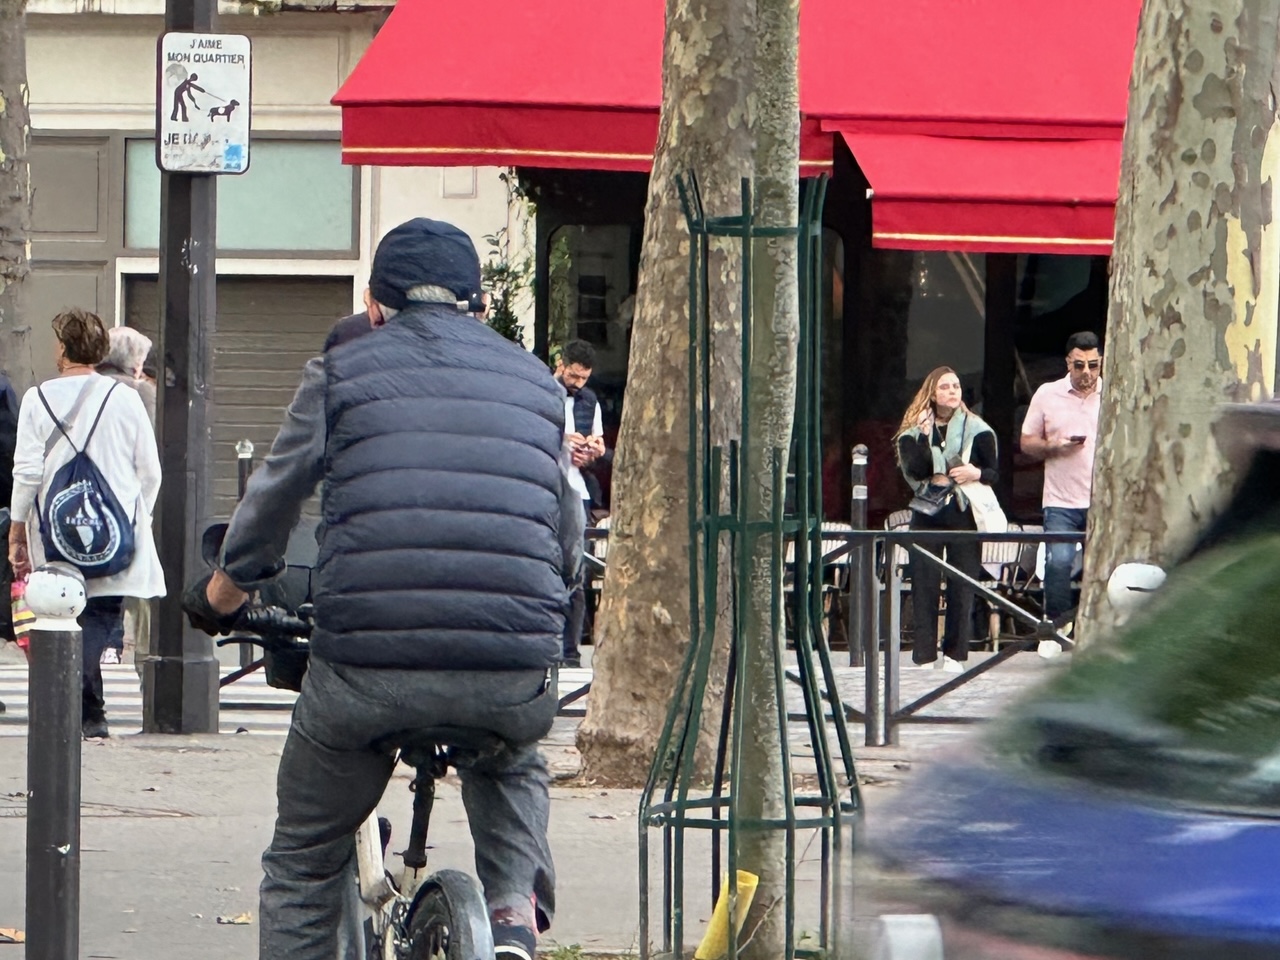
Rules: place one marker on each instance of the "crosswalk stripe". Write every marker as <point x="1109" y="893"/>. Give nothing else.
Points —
<point x="271" y="713"/>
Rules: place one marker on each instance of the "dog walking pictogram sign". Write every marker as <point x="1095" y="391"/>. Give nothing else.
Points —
<point x="203" y="91"/>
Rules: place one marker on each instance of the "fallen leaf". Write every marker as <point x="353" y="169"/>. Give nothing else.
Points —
<point x="148" y="789"/>
<point x="240" y="920"/>
<point x="603" y="816"/>
<point x="10" y="935"/>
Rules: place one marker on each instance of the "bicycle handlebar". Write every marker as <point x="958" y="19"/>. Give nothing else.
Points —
<point x="270" y="628"/>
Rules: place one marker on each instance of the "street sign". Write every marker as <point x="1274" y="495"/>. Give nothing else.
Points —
<point x="203" y="89"/>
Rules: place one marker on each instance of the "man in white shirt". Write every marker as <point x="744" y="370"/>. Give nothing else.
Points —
<point x="583" y="428"/>
<point x="584" y="436"/>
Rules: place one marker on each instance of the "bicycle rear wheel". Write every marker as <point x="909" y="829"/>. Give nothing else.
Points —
<point x="449" y="920"/>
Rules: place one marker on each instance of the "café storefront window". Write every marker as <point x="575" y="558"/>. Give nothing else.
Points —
<point x="592" y="274"/>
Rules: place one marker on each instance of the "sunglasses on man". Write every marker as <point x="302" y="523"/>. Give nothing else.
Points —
<point x="1081" y="364"/>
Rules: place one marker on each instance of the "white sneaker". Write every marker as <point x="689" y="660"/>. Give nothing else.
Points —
<point x="953" y="666"/>
<point x="109" y="655"/>
<point x="1049" y="649"/>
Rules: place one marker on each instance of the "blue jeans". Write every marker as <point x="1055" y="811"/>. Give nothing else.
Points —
<point x="1060" y="558"/>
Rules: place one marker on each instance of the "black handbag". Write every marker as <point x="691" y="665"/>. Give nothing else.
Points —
<point x="933" y="498"/>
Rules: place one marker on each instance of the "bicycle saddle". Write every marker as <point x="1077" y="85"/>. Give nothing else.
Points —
<point x="481" y="742"/>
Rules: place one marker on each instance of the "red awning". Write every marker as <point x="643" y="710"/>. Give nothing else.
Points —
<point x="1009" y="68"/>
<point x="560" y="83"/>
<point x="577" y="83"/>
<point x="949" y="193"/>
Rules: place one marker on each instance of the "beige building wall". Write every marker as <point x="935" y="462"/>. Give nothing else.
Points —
<point x="91" y="67"/>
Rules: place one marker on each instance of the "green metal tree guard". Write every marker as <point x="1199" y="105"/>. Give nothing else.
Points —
<point x="822" y="803"/>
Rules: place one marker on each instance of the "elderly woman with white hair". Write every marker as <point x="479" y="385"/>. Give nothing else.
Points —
<point x="125" y="357"/>
<point x="129" y="350"/>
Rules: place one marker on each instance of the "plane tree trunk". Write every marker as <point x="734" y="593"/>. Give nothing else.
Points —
<point x="15" y="193"/>
<point x="1194" y="282"/>
<point x="771" y="400"/>
<point x="642" y="628"/>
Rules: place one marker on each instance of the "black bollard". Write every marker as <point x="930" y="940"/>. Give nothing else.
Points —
<point x="244" y="464"/>
<point x="858" y="570"/>
<point x="244" y="467"/>
<point x="55" y="594"/>
<point x="862" y="597"/>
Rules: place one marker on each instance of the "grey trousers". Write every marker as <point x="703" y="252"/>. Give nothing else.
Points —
<point x="331" y="778"/>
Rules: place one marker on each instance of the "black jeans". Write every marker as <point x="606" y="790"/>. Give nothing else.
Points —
<point x="101" y="625"/>
<point x="926" y="586"/>
<point x="332" y="775"/>
<point x="577" y="623"/>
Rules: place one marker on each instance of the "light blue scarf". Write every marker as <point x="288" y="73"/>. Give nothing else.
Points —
<point x="956" y="446"/>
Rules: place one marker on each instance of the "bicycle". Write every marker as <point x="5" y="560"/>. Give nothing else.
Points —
<point x="415" y="915"/>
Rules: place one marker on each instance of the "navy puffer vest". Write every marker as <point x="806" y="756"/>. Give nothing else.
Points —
<point x="440" y="548"/>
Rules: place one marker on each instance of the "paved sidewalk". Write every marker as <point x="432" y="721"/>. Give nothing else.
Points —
<point x="173" y="828"/>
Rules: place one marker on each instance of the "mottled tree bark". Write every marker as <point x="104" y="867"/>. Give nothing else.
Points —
<point x="643" y="623"/>
<point x="1194" y="280"/>
<point x="15" y="192"/>
<point x="771" y="400"/>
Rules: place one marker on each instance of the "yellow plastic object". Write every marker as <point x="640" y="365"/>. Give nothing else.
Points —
<point x="715" y="943"/>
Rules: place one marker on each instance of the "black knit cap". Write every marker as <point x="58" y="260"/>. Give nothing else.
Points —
<point x="422" y="252"/>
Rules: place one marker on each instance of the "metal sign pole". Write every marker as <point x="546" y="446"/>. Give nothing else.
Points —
<point x="180" y="681"/>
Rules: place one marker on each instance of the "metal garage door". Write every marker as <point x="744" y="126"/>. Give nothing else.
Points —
<point x="268" y="327"/>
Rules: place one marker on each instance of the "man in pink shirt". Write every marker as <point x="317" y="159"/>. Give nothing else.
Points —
<point x="1061" y="429"/>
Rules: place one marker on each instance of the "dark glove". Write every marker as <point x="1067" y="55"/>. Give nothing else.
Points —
<point x="195" y="601"/>
<point x="275" y="626"/>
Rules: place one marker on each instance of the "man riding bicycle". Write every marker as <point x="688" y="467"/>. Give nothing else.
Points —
<point x="449" y="541"/>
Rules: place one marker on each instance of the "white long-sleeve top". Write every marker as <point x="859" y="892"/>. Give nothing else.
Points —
<point x="570" y="426"/>
<point x="123" y="448"/>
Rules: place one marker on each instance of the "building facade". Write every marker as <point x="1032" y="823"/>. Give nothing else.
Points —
<point x="296" y="233"/>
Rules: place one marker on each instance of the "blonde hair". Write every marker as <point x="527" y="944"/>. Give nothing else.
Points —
<point x="923" y="400"/>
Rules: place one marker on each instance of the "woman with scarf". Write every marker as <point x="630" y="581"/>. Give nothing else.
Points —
<point x="942" y="445"/>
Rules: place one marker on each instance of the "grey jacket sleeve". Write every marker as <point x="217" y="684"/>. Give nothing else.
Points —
<point x="573" y="523"/>
<point x="254" y="549"/>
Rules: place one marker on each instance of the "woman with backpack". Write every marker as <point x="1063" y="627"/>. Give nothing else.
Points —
<point x="86" y="474"/>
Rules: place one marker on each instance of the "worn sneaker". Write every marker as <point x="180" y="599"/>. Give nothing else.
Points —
<point x="951" y="665"/>
<point x="514" y="943"/>
<point x="110" y="655"/>
<point x="513" y="939"/>
<point x="1049" y="649"/>
<point x="95" y="730"/>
